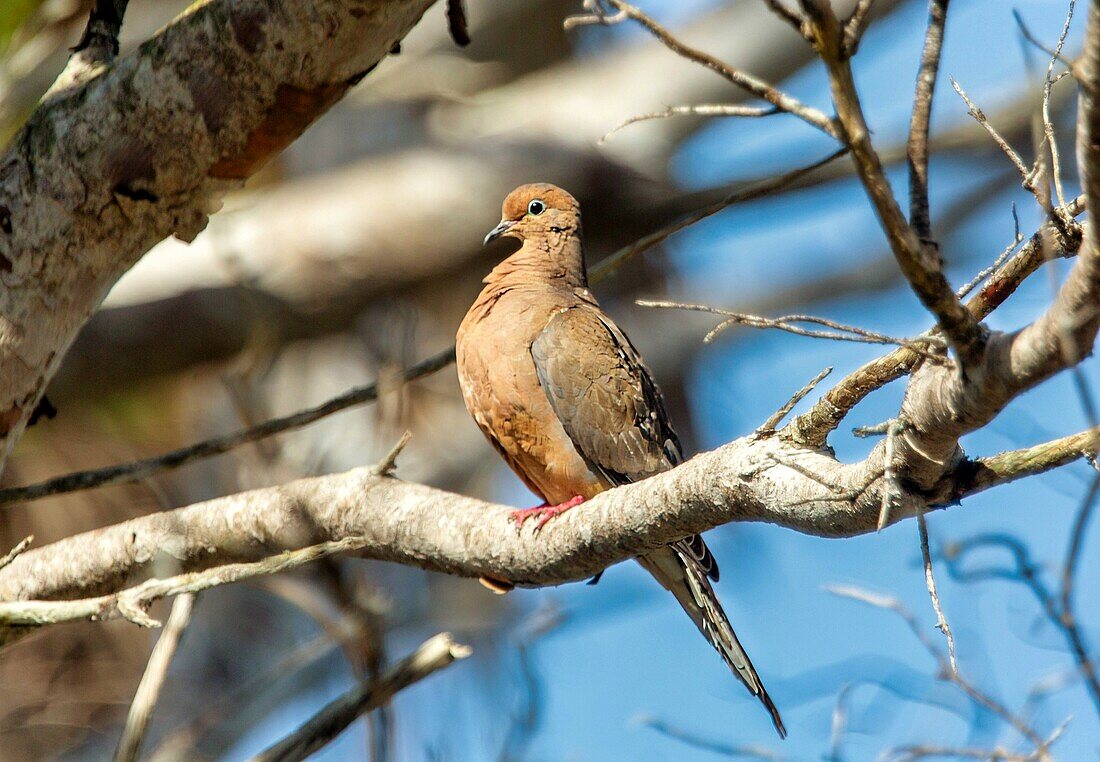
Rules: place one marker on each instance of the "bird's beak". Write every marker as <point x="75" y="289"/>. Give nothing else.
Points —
<point x="499" y="230"/>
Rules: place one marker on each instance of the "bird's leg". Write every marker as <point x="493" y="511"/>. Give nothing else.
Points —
<point x="544" y="512"/>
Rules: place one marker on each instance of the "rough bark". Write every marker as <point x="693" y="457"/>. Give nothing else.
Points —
<point x="142" y="148"/>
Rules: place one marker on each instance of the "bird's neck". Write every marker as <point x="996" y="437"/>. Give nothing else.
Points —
<point x="557" y="263"/>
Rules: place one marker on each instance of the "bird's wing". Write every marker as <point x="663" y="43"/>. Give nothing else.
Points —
<point x="615" y="416"/>
<point x="604" y="396"/>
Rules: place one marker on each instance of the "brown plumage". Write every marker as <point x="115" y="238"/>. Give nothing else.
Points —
<point x="566" y="400"/>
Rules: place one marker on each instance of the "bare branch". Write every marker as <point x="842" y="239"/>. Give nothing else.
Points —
<point x="124" y="473"/>
<point x="148" y="692"/>
<point x="747" y="82"/>
<point x="786" y="13"/>
<point x="19" y="548"/>
<point x="856" y="25"/>
<point x="930" y="583"/>
<point x="840" y="332"/>
<point x="1026" y="176"/>
<point x="919" y="260"/>
<point x="432" y="656"/>
<point x="921" y="119"/>
<point x="891" y="603"/>
<point x="606" y="267"/>
<point x="813" y="427"/>
<point x="768" y="427"/>
<point x="706" y="109"/>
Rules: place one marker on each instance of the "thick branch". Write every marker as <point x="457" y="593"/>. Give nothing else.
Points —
<point x="142" y="150"/>
<point x="751" y="479"/>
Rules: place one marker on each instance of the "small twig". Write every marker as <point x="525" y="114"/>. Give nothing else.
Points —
<point x="1068" y="617"/>
<point x="930" y="583"/>
<point x="386" y="466"/>
<point x="786" y="13"/>
<point x="891" y="487"/>
<point x="608" y="266"/>
<point x="14" y="552"/>
<point x="1017" y="239"/>
<point x="747" y="82"/>
<point x="768" y="427"/>
<point x="705" y="109"/>
<point x="708" y="744"/>
<point x="133" y="603"/>
<point x="840" y="723"/>
<point x="839" y="332"/>
<point x="891" y="603"/>
<point x="435" y="654"/>
<point x="917" y="146"/>
<point x="1027" y="177"/>
<point x="148" y="691"/>
<point x="125" y="473"/>
<point x="813" y="427"/>
<point x="856" y="25"/>
<point x="1056" y="54"/>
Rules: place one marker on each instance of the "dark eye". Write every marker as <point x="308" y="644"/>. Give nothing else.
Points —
<point x="536" y="207"/>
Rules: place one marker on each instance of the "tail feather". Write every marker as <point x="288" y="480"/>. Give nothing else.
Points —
<point x="679" y="569"/>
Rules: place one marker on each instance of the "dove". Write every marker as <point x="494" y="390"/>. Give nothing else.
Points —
<point x="566" y="400"/>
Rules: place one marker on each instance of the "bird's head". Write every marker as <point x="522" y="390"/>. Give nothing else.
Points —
<point x="538" y="211"/>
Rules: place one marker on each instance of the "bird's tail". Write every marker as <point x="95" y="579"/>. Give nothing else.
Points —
<point x="682" y="568"/>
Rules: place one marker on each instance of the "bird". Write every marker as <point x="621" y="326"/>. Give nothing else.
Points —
<point x="566" y="400"/>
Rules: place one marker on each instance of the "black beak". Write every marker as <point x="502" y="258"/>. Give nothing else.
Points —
<point x="498" y="231"/>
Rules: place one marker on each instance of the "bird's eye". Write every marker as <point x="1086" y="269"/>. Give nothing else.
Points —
<point x="536" y="207"/>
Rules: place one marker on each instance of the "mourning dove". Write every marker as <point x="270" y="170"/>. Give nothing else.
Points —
<point x="566" y="400"/>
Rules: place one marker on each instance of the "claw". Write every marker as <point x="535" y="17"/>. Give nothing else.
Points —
<point x="544" y="512"/>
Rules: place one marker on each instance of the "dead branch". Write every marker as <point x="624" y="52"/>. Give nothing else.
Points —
<point x="433" y="655"/>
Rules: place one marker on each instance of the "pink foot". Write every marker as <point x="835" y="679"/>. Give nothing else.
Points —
<point x="544" y="512"/>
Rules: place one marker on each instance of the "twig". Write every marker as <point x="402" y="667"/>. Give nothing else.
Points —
<point x="388" y="463"/>
<point x="133" y="603"/>
<point x="1026" y="572"/>
<point x="891" y="603"/>
<point x="768" y="427"/>
<point x="918" y="259"/>
<point x="709" y="744"/>
<point x="148" y="691"/>
<point x="930" y="583"/>
<point x="183" y="739"/>
<point x="1068" y="617"/>
<point x="890" y="488"/>
<point x="840" y="332"/>
<point x="706" y="109"/>
<point x="1027" y="176"/>
<point x="98" y="45"/>
<point x="608" y="266"/>
<point x="791" y="16"/>
<point x="921" y="118"/>
<point x="856" y="25"/>
<point x="14" y="552"/>
<point x="435" y="654"/>
<point x="813" y="427"/>
<point x="1017" y="239"/>
<point x="747" y="82"/>
<point x="124" y="473"/>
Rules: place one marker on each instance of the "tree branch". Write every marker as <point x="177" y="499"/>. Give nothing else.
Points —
<point x="433" y="655"/>
<point x="750" y="479"/>
<point x="922" y="117"/>
<point x="144" y="147"/>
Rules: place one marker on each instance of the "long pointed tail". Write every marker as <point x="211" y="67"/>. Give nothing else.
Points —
<point x="681" y="568"/>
